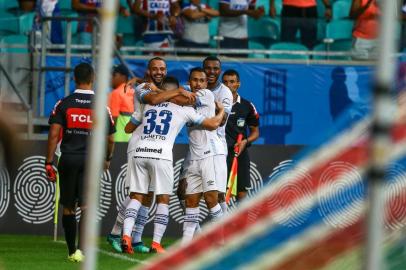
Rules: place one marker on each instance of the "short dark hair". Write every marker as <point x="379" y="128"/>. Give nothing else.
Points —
<point x="156" y="58"/>
<point x="195" y="69"/>
<point x="231" y="72"/>
<point x="170" y="80"/>
<point x="211" y="58"/>
<point x="84" y="73"/>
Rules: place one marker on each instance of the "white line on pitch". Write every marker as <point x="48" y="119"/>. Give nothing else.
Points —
<point x="114" y="255"/>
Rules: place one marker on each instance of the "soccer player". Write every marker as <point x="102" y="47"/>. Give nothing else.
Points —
<point x="212" y="67"/>
<point x="243" y="117"/>
<point x="152" y="160"/>
<point x="201" y="171"/>
<point x="157" y="72"/>
<point x="72" y="115"/>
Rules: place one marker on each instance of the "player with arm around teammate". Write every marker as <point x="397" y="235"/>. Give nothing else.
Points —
<point x="200" y="172"/>
<point x="152" y="161"/>
<point x="222" y="94"/>
<point x="146" y="93"/>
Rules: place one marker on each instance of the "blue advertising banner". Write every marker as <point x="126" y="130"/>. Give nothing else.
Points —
<point x="296" y="102"/>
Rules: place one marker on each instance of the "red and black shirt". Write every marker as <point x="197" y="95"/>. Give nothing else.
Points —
<point x="74" y="114"/>
<point x="243" y="115"/>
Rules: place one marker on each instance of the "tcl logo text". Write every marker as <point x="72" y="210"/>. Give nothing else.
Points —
<point x="79" y="118"/>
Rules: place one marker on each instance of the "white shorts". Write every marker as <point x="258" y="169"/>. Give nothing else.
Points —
<point x="220" y="169"/>
<point x="148" y="172"/>
<point x="130" y="172"/>
<point x="200" y="176"/>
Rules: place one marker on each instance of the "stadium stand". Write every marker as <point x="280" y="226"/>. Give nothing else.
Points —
<point x="265" y="31"/>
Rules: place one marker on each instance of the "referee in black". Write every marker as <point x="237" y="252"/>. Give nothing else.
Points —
<point x="71" y="121"/>
<point x="244" y="120"/>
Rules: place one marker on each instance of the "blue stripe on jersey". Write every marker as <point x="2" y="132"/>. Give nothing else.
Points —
<point x="135" y="121"/>
<point x="141" y="93"/>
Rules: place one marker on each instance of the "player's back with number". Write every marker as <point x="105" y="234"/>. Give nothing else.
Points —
<point x="160" y="125"/>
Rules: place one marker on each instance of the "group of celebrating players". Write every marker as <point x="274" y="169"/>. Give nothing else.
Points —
<point x="162" y="108"/>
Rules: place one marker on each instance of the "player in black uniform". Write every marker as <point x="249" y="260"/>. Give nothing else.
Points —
<point x="73" y="117"/>
<point x="244" y="120"/>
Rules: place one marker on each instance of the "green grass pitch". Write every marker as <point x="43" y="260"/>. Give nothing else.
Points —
<point x="42" y="253"/>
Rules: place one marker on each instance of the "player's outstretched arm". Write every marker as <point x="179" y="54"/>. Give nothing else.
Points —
<point x="214" y="122"/>
<point x="134" y="122"/>
<point x="154" y="98"/>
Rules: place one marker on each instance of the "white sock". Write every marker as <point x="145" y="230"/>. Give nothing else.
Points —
<point x="216" y="212"/>
<point x="130" y="215"/>
<point x="140" y="222"/>
<point x="118" y="225"/>
<point x="160" y="222"/>
<point x="198" y="229"/>
<point x="223" y="207"/>
<point x="190" y="223"/>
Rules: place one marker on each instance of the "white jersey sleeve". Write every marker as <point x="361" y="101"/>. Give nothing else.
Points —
<point x="192" y="116"/>
<point x="140" y="91"/>
<point x="204" y="143"/>
<point x="225" y="96"/>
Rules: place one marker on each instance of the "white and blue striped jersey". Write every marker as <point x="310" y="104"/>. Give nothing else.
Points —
<point x="223" y="95"/>
<point x="159" y="127"/>
<point x="204" y="143"/>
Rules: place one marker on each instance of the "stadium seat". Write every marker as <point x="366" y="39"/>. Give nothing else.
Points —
<point x="265" y="27"/>
<point x="341" y="9"/>
<point x="214" y="26"/>
<point x="8" y="4"/>
<point x="337" y="46"/>
<point x="256" y="45"/>
<point x="213" y="31"/>
<point x="139" y="43"/>
<point x="321" y="9"/>
<point x="25" y="21"/>
<point x="65" y="4"/>
<point x="321" y="29"/>
<point x="14" y="39"/>
<point x="125" y="25"/>
<point x="74" y="24"/>
<point x="9" y="22"/>
<point x="339" y="29"/>
<point x="213" y="3"/>
<point x="287" y="46"/>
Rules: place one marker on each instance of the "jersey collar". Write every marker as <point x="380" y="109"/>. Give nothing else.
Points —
<point x="81" y="91"/>
<point x="238" y="99"/>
